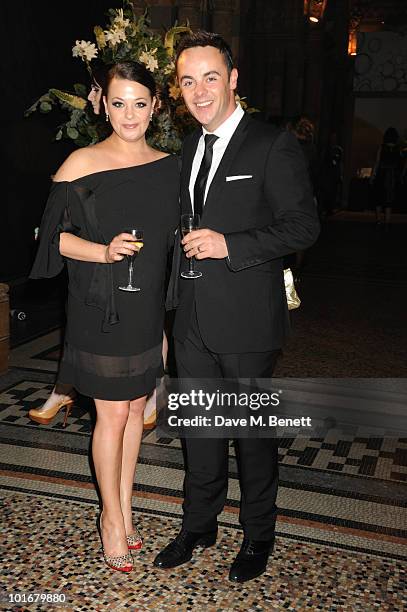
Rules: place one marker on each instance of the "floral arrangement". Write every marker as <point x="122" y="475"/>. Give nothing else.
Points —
<point x="124" y="38"/>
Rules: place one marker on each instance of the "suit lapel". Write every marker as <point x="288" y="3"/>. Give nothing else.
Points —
<point x="188" y="154"/>
<point x="218" y="181"/>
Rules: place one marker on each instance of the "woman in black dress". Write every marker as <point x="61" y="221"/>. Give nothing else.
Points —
<point x="114" y="338"/>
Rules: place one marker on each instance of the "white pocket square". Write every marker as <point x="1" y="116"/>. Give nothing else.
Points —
<point x="239" y="177"/>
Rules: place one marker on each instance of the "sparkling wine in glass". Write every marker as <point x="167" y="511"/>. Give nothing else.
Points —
<point x="190" y="223"/>
<point x="138" y="241"/>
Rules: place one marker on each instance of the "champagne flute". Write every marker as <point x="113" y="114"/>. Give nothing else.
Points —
<point x="190" y="223"/>
<point x="138" y="241"/>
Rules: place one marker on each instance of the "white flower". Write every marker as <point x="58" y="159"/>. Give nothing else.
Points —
<point x="85" y="50"/>
<point x="114" y="36"/>
<point x="241" y="101"/>
<point x="120" y="22"/>
<point x="149" y="60"/>
<point x="169" y="68"/>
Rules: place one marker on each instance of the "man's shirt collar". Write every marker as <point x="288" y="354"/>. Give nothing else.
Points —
<point x="227" y="128"/>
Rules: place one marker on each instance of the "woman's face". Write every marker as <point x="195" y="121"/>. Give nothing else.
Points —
<point x="129" y="105"/>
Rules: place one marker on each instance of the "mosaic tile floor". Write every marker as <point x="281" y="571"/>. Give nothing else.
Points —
<point x="341" y="537"/>
<point x="62" y="555"/>
<point x="341" y="530"/>
<point x="32" y="355"/>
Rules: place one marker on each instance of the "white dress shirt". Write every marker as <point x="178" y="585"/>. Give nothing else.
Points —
<point x="224" y="132"/>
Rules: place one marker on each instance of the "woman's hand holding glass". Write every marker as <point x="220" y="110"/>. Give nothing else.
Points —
<point x="120" y="246"/>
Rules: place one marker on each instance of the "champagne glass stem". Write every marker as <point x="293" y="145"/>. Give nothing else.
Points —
<point x="189" y="223"/>
<point x="130" y="272"/>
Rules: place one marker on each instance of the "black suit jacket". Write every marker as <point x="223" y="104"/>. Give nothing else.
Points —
<point x="240" y="301"/>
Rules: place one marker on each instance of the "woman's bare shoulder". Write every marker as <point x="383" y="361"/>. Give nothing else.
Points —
<point x="159" y="154"/>
<point x="79" y="163"/>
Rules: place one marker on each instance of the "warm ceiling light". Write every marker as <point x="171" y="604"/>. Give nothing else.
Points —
<point x="354" y="23"/>
<point x="314" y="9"/>
<point x="353" y="43"/>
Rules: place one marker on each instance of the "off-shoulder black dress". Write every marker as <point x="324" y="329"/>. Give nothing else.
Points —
<point x="113" y="338"/>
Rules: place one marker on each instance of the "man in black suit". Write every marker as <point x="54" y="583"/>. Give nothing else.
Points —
<point x="249" y="182"/>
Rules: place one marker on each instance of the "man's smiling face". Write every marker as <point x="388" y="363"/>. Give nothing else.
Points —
<point x="207" y="89"/>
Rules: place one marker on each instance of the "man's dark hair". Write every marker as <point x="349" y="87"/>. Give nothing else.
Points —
<point x="206" y="39"/>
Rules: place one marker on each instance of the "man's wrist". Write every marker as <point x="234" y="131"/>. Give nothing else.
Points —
<point x="106" y="255"/>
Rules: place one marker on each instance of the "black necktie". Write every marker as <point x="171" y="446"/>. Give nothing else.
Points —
<point x="202" y="177"/>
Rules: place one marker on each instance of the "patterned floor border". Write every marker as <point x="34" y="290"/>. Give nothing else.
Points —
<point x="354" y="503"/>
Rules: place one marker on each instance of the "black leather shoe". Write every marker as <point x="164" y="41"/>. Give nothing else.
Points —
<point x="180" y="550"/>
<point x="251" y="560"/>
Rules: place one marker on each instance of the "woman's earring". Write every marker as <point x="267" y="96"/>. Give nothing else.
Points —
<point x="107" y="116"/>
<point x="151" y="115"/>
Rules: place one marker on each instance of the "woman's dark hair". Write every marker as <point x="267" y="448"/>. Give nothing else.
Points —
<point x="132" y="71"/>
<point x="206" y="39"/>
<point x="391" y="136"/>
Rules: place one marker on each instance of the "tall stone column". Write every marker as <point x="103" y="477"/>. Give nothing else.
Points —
<point x="313" y="69"/>
<point x="225" y="20"/>
<point x="191" y="11"/>
<point x="139" y="6"/>
<point x="272" y="55"/>
<point x="221" y="16"/>
<point x="335" y="78"/>
<point x="162" y="13"/>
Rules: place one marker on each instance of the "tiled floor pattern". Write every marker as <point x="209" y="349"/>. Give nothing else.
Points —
<point x="341" y="539"/>
<point x="168" y="481"/>
<point x="52" y="354"/>
<point x="31" y="355"/>
<point x="52" y="546"/>
<point x="384" y="458"/>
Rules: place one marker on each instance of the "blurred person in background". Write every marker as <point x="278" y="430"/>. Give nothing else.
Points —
<point x="386" y="175"/>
